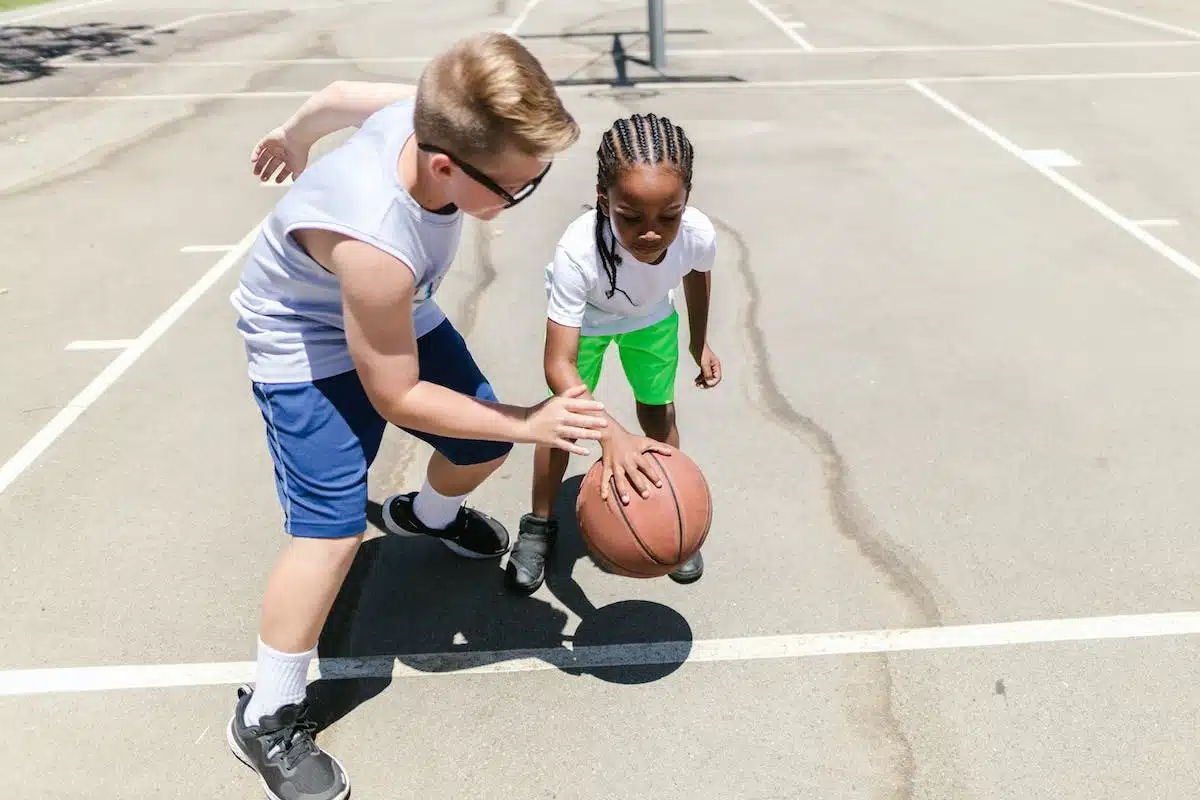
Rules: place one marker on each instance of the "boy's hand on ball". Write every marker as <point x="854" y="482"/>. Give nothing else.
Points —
<point x="627" y="465"/>
<point x="710" y="368"/>
<point x="561" y="420"/>
<point x="278" y="152"/>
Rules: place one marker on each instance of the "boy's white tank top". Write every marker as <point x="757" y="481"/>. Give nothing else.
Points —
<point x="289" y="307"/>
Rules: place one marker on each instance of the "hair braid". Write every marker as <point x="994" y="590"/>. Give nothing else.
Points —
<point x="658" y="140"/>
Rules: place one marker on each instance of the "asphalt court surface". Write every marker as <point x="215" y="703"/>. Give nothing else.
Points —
<point x="959" y="391"/>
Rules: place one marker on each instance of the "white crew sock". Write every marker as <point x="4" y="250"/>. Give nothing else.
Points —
<point x="435" y="510"/>
<point x="282" y="680"/>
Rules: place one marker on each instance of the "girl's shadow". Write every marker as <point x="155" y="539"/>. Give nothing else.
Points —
<point x="410" y="597"/>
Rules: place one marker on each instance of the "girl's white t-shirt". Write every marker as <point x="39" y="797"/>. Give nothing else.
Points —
<point x="577" y="285"/>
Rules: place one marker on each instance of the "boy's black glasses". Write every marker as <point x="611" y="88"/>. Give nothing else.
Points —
<point x="510" y="200"/>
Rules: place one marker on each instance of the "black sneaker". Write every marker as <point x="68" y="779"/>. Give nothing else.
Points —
<point x="691" y="570"/>
<point x="473" y="534"/>
<point x="526" y="568"/>
<point x="280" y="748"/>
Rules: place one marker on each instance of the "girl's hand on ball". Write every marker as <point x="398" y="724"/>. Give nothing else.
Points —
<point x="627" y="465"/>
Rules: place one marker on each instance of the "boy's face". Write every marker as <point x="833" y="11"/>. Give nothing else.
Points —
<point x="479" y="188"/>
<point x="645" y="205"/>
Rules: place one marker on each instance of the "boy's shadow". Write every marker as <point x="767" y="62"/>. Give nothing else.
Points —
<point x="410" y="597"/>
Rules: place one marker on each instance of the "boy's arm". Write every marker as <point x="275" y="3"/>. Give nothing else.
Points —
<point x="377" y="291"/>
<point x="342" y="104"/>
<point x="283" y="152"/>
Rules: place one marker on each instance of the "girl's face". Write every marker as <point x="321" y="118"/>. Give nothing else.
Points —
<point x="645" y="205"/>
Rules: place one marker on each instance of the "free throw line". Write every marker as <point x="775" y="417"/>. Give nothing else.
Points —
<point x="29" y="453"/>
<point x="98" y="679"/>
<point x="1091" y="201"/>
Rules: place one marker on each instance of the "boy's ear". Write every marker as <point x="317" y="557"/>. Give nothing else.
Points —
<point x="440" y="164"/>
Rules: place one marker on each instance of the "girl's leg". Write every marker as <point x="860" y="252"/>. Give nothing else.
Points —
<point x="650" y="357"/>
<point x="658" y="423"/>
<point x="526" y="568"/>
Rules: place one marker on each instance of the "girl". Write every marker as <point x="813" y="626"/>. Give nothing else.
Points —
<point x="612" y="280"/>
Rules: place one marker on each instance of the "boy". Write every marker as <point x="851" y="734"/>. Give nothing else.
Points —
<point x="343" y="336"/>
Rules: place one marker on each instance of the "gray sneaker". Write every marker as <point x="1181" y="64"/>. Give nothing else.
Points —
<point x="280" y="748"/>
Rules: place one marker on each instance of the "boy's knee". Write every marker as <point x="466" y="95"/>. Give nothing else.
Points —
<point x="476" y="453"/>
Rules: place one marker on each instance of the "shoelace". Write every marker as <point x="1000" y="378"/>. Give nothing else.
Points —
<point x="294" y="742"/>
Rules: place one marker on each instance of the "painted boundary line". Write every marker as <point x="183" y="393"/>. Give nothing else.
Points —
<point x="522" y="17"/>
<point x="33" y="449"/>
<point x="788" y="30"/>
<point x="1128" y="17"/>
<point x="51" y="11"/>
<point x="98" y="679"/>
<point x="816" y="83"/>
<point x="679" y="53"/>
<point x="1092" y="202"/>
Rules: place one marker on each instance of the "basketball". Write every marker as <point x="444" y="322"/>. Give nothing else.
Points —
<point x="654" y="535"/>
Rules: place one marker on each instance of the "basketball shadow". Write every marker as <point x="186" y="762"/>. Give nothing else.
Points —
<point x="412" y="599"/>
<point x="628" y="622"/>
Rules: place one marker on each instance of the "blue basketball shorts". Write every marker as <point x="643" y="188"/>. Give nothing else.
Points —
<point x="324" y="435"/>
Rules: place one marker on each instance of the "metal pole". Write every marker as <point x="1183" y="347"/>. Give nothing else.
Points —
<point x="658" y="35"/>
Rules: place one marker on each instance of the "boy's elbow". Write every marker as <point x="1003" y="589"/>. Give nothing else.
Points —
<point x="390" y="395"/>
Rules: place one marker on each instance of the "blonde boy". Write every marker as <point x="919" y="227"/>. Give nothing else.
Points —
<point x="343" y="335"/>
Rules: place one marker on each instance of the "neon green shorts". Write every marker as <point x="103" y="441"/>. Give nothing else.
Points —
<point x="650" y="357"/>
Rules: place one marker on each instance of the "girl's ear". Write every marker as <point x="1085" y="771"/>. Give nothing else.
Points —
<point x="601" y="201"/>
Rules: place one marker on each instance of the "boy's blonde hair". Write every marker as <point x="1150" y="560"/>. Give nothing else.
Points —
<point x="488" y="93"/>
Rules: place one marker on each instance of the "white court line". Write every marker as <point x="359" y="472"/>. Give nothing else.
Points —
<point x="1125" y="15"/>
<point x="183" y="23"/>
<point x="782" y="24"/>
<point x="681" y="53"/>
<point x="1003" y="634"/>
<point x="1099" y="206"/>
<point x="207" y="248"/>
<point x="12" y="469"/>
<point x="1051" y="159"/>
<point x="49" y="12"/>
<point x="815" y="83"/>
<point x="101" y="344"/>
<point x="1157" y="223"/>
<point x="926" y="48"/>
<point x="522" y="17"/>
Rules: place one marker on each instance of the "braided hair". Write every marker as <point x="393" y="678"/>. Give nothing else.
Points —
<point x="640" y="139"/>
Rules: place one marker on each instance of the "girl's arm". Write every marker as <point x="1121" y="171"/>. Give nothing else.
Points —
<point x="342" y="104"/>
<point x="623" y="453"/>
<point x="697" y="290"/>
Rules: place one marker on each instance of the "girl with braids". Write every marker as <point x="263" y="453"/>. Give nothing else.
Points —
<point x="612" y="280"/>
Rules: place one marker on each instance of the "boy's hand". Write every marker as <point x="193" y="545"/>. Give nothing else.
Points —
<point x="710" y="367"/>
<point x="278" y="151"/>
<point x="560" y="420"/>
<point x="625" y="460"/>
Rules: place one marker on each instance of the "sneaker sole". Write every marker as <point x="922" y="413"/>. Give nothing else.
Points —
<point x="242" y="757"/>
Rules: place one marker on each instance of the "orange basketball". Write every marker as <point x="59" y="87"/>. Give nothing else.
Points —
<point x="650" y="536"/>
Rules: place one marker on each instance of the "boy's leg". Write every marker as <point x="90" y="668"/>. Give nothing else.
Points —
<point x="322" y="437"/>
<point x="458" y="466"/>
<point x="526" y="568"/>
<point x="650" y="357"/>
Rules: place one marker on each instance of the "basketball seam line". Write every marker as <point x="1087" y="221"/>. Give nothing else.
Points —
<point x="621" y="508"/>
<point x="675" y="497"/>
